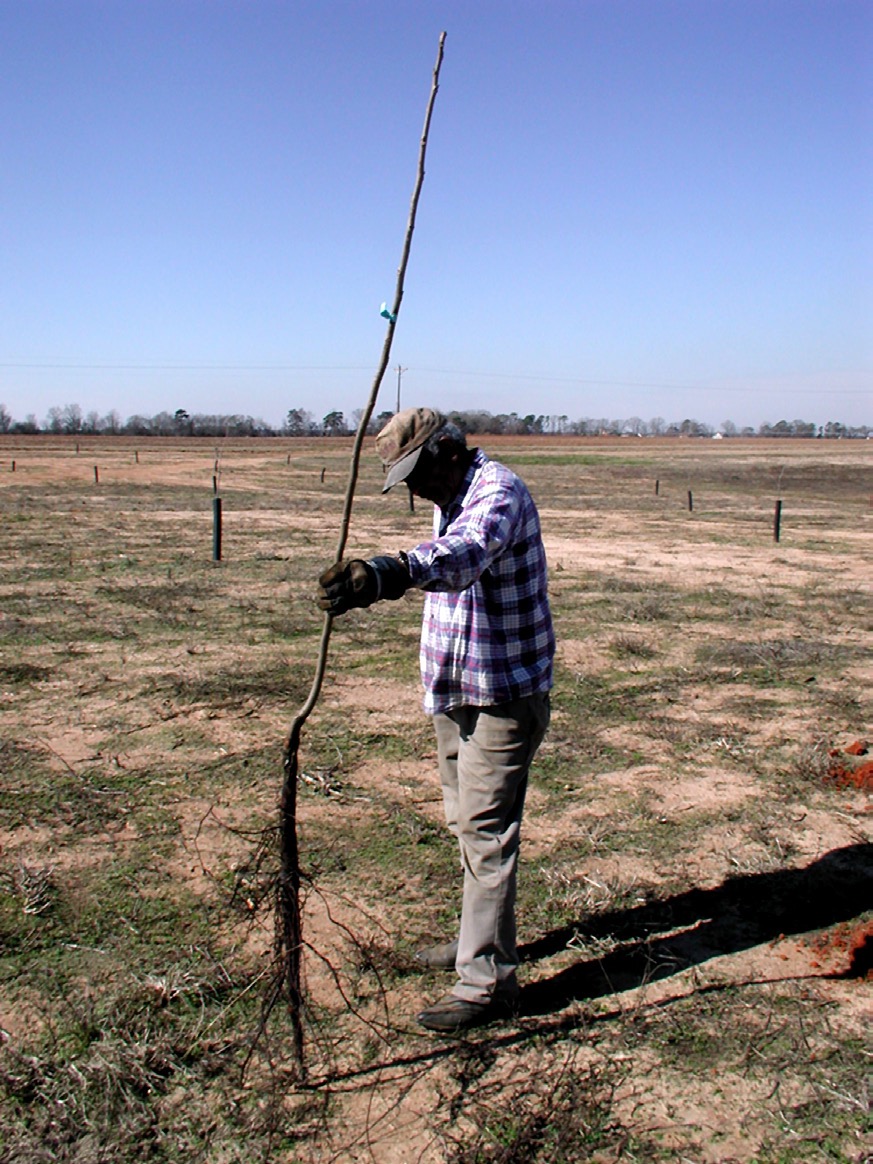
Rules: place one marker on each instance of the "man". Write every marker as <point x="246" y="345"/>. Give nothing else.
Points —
<point x="487" y="645"/>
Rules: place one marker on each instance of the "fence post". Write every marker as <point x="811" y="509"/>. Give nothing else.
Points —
<point x="216" y="529"/>
<point x="690" y="502"/>
<point x="777" y="520"/>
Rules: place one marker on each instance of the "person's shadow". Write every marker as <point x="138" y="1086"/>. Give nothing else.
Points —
<point x="743" y="912"/>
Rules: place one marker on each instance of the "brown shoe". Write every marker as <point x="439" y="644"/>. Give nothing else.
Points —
<point x="452" y="1014"/>
<point x="438" y="957"/>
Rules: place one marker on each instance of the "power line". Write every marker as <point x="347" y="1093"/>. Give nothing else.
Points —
<point x="194" y="367"/>
<point x="643" y="383"/>
<point x="521" y="376"/>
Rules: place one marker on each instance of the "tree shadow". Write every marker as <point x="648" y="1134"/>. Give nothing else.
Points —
<point x="744" y="911"/>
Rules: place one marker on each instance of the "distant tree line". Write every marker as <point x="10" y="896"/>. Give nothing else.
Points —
<point x="299" y="422"/>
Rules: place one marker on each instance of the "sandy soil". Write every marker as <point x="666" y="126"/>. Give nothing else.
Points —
<point x="393" y="1112"/>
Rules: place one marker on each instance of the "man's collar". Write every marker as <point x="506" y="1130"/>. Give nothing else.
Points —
<point x="477" y="459"/>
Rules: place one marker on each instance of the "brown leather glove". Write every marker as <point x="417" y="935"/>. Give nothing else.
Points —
<point x="347" y="585"/>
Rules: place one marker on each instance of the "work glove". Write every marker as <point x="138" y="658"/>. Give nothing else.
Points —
<point x="357" y="583"/>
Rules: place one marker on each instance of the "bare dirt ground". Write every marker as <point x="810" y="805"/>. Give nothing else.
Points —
<point x="695" y="898"/>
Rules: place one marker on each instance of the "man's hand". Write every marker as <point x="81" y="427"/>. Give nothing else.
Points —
<point x="347" y="585"/>
<point x="359" y="583"/>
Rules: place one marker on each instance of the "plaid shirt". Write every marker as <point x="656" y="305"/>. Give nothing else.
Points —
<point x="486" y="636"/>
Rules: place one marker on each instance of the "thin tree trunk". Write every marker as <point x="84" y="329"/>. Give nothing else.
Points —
<point x="289" y="931"/>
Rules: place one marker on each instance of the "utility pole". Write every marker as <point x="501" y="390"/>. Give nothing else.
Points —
<point x="400" y="372"/>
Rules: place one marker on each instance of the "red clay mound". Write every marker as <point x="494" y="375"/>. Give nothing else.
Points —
<point x="847" y="767"/>
<point x="846" y="950"/>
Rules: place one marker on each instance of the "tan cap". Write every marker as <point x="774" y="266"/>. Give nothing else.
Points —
<point x="400" y="442"/>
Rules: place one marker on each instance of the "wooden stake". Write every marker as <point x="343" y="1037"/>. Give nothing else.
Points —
<point x="777" y="520"/>
<point x="216" y="529"/>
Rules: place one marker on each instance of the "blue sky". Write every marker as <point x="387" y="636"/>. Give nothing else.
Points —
<point x="631" y="207"/>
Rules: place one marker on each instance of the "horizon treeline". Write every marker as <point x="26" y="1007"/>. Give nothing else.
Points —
<point x="70" y="420"/>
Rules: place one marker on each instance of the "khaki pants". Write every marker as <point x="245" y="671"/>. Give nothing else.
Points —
<point x="485" y="754"/>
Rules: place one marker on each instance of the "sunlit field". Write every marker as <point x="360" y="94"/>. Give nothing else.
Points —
<point x="695" y="896"/>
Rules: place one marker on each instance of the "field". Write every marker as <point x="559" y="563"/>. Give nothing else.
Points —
<point x="695" y="891"/>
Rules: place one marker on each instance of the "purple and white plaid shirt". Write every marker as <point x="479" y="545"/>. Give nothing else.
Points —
<point x="486" y="636"/>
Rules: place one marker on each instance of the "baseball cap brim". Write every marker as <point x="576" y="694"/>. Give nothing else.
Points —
<point x="402" y="469"/>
